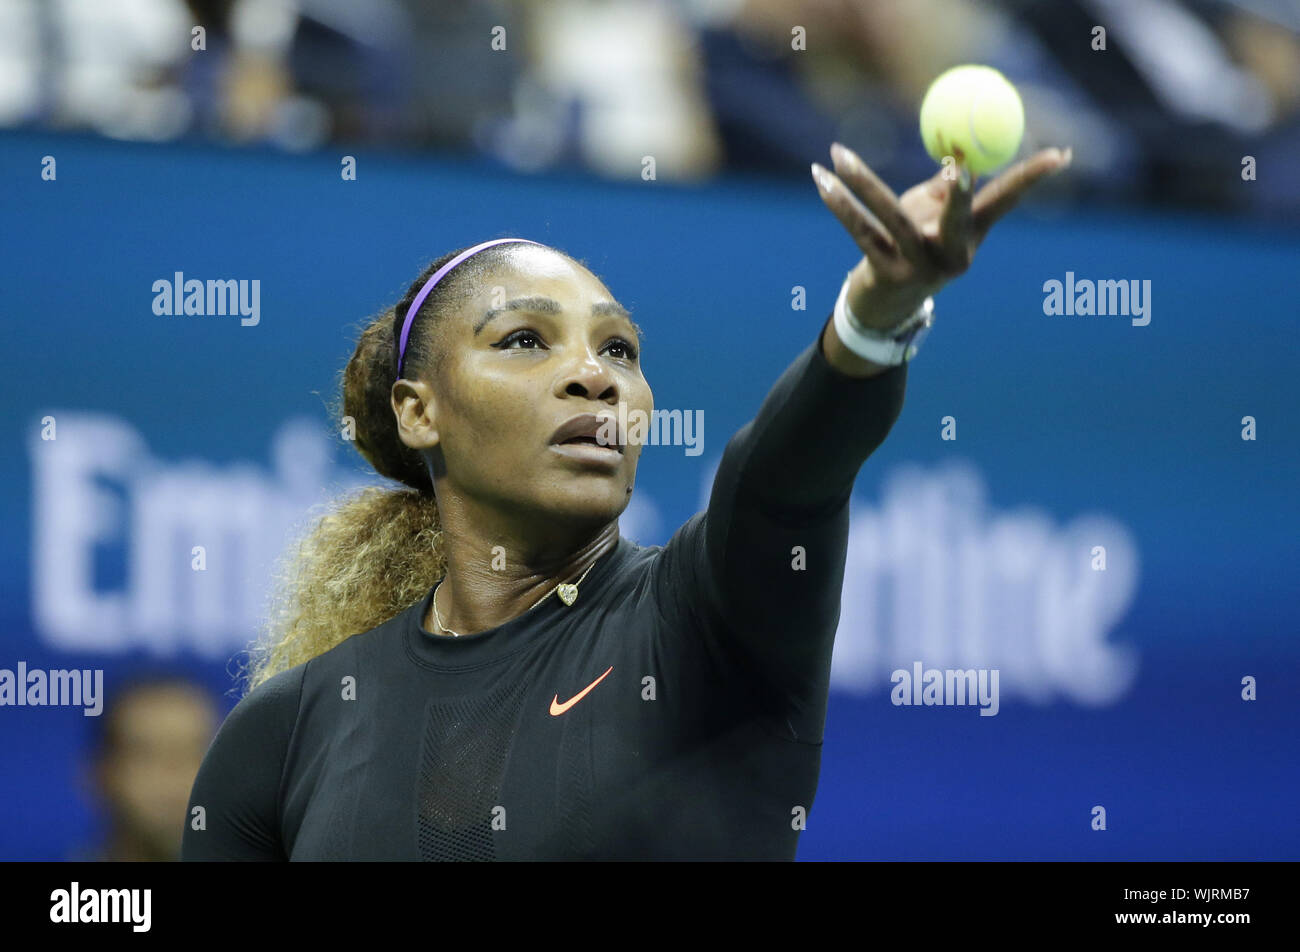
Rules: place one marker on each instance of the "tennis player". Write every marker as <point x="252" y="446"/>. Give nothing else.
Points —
<point x="479" y="666"/>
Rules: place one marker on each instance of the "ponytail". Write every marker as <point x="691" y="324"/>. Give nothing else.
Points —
<point x="372" y="553"/>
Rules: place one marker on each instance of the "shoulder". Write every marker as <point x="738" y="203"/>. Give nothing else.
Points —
<point x="377" y="650"/>
<point x="273" y="703"/>
<point x="243" y="763"/>
<point x="238" y="783"/>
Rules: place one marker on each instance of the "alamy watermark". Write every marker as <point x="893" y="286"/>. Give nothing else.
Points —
<point x="213" y="298"/>
<point x="1086" y="298"/>
<point x="78" y="905"/>
<point x="56" y="688"/>
<point x="657" y="428"/>
<point x="948" y="686"/>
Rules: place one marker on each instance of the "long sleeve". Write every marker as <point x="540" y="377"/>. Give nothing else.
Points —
<point x="238" y="783"/>
<point x="759" y="574"/>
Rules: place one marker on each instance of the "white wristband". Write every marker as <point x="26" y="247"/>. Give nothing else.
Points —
<point x="889" y="348"/>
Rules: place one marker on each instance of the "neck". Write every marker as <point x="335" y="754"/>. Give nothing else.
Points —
<point x="489" y="581"/>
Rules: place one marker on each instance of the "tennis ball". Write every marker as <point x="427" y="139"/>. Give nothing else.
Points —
<point x="976" y="109"/>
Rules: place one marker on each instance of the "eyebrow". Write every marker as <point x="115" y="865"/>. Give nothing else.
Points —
<point x="545" y="305"/>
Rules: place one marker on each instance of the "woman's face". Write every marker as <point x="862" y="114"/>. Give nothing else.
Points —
<point x="541" y="342"/>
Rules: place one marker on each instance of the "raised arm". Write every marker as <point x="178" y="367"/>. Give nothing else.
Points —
<point x="758" y="575"/>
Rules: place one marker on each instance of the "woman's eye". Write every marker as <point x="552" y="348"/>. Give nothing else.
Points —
<point x="527" y="339"/>
<point x="519" y="336"/>
<point x="629" y="352"/>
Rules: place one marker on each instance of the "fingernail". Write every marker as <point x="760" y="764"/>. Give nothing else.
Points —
<point x="821" y="178"/>
<point x="964" y="179"/>
<point x="837" y="152"/>
<point x="1069" y="155"/>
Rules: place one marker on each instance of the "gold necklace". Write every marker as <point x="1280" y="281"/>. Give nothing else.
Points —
<point x="568" y="594"/>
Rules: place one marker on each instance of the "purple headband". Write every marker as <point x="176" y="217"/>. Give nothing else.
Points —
<point x="428" y="286"/>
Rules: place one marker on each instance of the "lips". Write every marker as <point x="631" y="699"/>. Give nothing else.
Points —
<point x="585" y="428"/>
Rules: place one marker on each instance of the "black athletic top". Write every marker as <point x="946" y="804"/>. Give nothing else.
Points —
<point x="700" y="671"/>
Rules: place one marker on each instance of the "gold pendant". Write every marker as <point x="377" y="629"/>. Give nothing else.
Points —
<point x="568" y="592"/>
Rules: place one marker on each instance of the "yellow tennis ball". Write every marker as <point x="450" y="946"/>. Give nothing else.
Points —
<point x="976" y="109"/>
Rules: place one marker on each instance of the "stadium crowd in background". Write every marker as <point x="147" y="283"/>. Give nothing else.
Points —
<point x="144" y="751"/>
<point x="1182" y="91"/>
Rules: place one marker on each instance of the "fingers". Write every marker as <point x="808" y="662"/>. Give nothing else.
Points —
<point x="1001" y="195"/>
<point x="955" y="233"/>
<point x="877" y="196"/>
<point x="874" y="242"/>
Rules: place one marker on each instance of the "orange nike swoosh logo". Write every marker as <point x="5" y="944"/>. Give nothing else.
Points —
<point x="557" y="708"/>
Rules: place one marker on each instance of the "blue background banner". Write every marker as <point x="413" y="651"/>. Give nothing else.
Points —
<point x="1074" y="434"/>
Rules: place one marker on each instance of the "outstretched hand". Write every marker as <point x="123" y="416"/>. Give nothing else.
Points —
<point x="914" y="245"/>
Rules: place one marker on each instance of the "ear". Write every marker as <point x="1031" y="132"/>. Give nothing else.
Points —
<point x="415" y="409"/>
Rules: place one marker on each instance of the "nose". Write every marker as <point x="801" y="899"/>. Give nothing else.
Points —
<point x="588" y="376"/>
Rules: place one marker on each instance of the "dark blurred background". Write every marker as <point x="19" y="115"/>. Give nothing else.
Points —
<point x="705" y="86"/>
